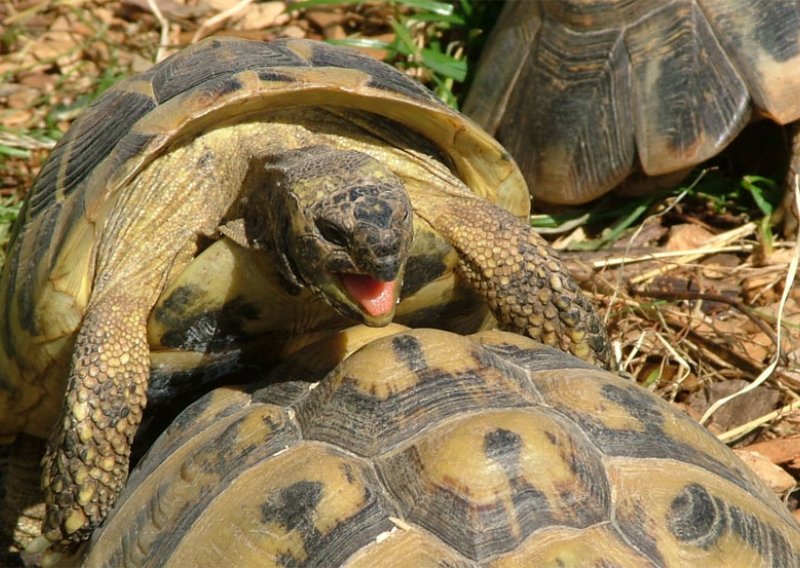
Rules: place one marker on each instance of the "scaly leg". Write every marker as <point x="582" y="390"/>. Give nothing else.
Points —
<point x="86" y="463"/>
<point x="526" y="286"/>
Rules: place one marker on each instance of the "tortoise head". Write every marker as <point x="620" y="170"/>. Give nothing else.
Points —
<point x="347" y="229"/>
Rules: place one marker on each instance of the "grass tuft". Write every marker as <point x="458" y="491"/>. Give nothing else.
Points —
<point x="435" y="42"/>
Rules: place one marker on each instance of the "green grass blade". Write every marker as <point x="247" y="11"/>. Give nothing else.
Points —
<point x="444" y="64"/>
<point x="14" y="152"/>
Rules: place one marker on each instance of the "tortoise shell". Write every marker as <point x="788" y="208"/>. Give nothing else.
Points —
<point x="240" y="195"/>
<point x="584" y="92"/>
<point x="51" y="268"/>
<point x="426" y="448"/>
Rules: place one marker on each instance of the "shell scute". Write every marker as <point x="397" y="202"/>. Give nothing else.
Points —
<point x="380" y="77"/>
<point x="365" y="403"/>
<point x="689" y="99"/>
<point x="621" y="420"/>
<point x="194" y="462"/>
<point x="762" y="38"/>
<point x="87" y="143"/>
<point x="218" y="60"/>
<point x="698" y="517"/>
<point x="295" y="515"/>
<point x="474" y="480"/>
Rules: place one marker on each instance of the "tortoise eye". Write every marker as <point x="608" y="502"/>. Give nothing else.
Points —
<point x="332" y="232"/>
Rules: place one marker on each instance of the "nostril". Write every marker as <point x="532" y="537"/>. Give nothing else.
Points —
<point x="388" y="247"/>
<point x="332" y="232"/>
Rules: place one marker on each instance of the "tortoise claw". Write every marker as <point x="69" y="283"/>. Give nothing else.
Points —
<point x="38" y="545"/>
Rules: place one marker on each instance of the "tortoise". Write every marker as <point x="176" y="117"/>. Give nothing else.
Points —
<point x="583" y="93"/>
<point x="427" y="448"/>
<point x="236" y="195"/>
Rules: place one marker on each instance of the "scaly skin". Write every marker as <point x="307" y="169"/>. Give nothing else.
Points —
<point x="87" y="462"/>
<point x="527" y="287"/>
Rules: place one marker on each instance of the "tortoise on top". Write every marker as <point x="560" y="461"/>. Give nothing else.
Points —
<point x="427" y="449"/>
<point x="234" y="196"/>
<point x="581" y="91"/>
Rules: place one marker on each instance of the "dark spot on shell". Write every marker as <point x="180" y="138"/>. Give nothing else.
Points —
<point x="287" y="561"/>
<point x="294" y="506"/>
<point x="193" y="328"/>
<point x="272" y="75"/>
<point x="283" y="393"/>
<point x="408" y="351"/>
<point x="777" y="25"/>
<point x="220" y="88"/>
<point x="170" y="311"/>
<point x="129" y="146"/>
<point x="179" y="387"/>
<point x="500" y="443"/>
<point x="462" y="315"/>
<point x="633" y="528"/>
<point x="40" y="235"/>
<point x="698" y="518"/>
<point x="694" y="518"/>
<point x="347" y="471"/>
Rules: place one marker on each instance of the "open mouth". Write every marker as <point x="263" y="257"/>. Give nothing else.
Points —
<point x="375" y="296"/>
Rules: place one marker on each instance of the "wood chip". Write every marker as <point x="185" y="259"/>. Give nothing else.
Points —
<point x="775" y="477"/>
<point x="780" y="451"/>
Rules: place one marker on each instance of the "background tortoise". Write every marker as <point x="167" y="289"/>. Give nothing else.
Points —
<point x="582" y="92"/>
<point x="426" y="448"/>
<point x="235" y="195"/>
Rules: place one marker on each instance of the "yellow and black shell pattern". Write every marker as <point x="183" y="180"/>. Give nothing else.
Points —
<point x="48" y="275"/>
<point x="426" y="448"/>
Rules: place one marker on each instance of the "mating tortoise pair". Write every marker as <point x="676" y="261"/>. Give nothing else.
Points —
<point x="237" y="195"/>
<point x="241" y="194"/>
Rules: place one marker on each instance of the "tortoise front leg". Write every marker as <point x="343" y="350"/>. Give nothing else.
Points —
<point x="526" y="286"/>
<point x="86" y="463"/>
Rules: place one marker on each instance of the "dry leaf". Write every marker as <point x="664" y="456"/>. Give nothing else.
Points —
<point x="266" y="15"/>
<point x="686" y="237"/>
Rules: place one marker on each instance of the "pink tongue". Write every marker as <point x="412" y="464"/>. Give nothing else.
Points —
<point x="374" y="295"/>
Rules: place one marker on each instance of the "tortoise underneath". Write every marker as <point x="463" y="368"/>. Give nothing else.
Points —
<point x="236" y="196"/>
<point x="428" y="449"/>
